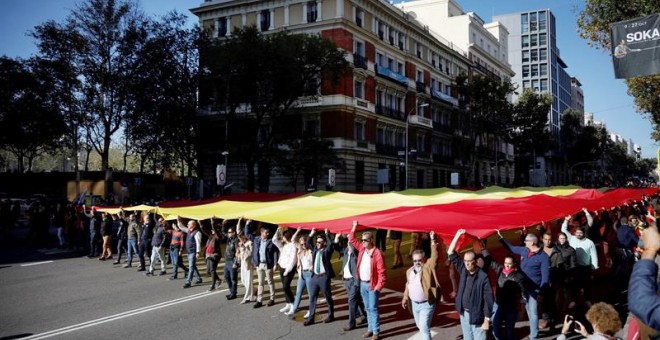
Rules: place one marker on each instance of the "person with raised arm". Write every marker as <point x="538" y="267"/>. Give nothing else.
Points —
<point x="372" y="276"/>
<point x="349" y="275"/>
<point x="474" y="300"/>
<point x="264" y="258"/>
<point x="193" y="247"/>
<point x="586" y="257"/>
<point x="245" y="248"/>
<point x="643" y="298"/>
<point x="283" y="240"/>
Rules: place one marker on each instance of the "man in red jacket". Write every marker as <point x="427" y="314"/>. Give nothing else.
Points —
<point x="371" y="275"/>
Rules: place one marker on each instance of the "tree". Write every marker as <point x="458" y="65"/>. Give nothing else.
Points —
<point x="257" y="79"/>
<point x="583" y="146"/>
<point x="488" y="109"/>
<point x="528" y="129"/>
<point x="594" y="25"/>
<point x="163" y="93"/>
<point x="309" y="157"/>
<point x="100" y="40"/>
<point x="30" y="124"/>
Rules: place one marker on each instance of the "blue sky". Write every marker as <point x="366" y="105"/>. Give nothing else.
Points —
<point x="604" y="95"/>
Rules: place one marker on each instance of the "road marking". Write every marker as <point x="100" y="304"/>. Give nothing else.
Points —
<point x="35" y="263"/>
<point x="119" y="316"/>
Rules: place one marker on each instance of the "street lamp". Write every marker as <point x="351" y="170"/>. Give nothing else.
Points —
<point x="407" y="120"/>
<point x="225" y="153"/>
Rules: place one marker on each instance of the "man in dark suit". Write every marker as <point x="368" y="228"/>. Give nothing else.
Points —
<point x="322" y="273"/>
<point x="349" y="274"/>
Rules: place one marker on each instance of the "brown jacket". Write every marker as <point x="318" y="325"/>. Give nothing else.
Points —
<point x="427" y="279"/>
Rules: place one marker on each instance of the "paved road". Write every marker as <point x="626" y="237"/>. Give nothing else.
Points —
<point x="81" y="298"/>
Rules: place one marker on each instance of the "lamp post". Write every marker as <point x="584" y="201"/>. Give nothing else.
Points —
<point x="407" y="120"/>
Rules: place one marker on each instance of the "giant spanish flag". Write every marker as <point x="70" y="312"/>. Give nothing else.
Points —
<point x="441" y="210"/>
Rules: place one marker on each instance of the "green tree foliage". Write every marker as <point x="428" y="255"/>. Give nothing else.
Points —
<point x="257" y="79"/>
<point x="30" y="124"/>
<point x="488" y="109"/>
<point x="161" y="127"/>
<point x="594" y="25"/>
<point x="528" y="129"/>
<point x="98" y="42"/>
<point x="309" y="157"/>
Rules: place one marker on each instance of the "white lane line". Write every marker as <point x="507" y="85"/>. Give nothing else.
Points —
<point x="119" y="316"/>
<point x="35" y="263"/>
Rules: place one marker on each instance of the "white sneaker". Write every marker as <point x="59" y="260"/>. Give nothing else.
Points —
<point x="285" y="308"/>
<point x="306" y="315"/>
<point x="290" y="311"/>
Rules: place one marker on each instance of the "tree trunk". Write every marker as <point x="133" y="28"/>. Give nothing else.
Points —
<point x="249" y="164"/>
<point x="105" y="154"/>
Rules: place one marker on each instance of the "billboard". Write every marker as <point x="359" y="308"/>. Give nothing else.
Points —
<point x="636" y="47"/>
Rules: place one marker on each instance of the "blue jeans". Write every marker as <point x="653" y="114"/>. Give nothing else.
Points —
<point x="508" y="314"/>
<point x="370" y="298"/>
<point x="304" y="281"/>
<point x="231" y="276"/>
<point x="423" y="314"/>
<point x="192" y="269"/>
<point x="132" y="250"/>
<point x="533" y="314"/>
<point x="471" y="332"/>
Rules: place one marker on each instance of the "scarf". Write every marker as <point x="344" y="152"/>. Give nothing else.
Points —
<point x="507" y="272"/>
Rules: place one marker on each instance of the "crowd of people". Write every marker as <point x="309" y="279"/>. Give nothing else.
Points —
<point x="550" y="273"/>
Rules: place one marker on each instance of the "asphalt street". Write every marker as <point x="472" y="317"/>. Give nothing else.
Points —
<point x="46" y="295"/>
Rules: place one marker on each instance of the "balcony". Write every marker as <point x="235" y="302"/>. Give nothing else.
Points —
<point x="386" y="150"/>
<point x="390" y="112"/>
<point x="362" y="144"/>
<point x="444" y="97"/>
<point x="387" y="73"/>
<point x="421" y="87"/>
<point x="381" y="35"/>
<point x="360" y="61"/>
<point x="443" y="159"/>
<point x="487" y="72"/>
<point x="442" y="128"/>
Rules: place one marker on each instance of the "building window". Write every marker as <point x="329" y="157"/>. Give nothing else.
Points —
<point x="359" y="174"/>
<point x="312" y="11"/>
<point x="380" y="59"/>
<point x="544" y="85"/>
<point x="535" y="55"/>
<point x="543" y="39"/>
<point x="381" y="30"/>
<point x="542" y="21"/>
<point x="359" y="48"/>
<point x="420" y="76"/>
<point x="312" y="128"/>
<point x="534" y="40"/>
<point x="400" y="142"/>
<point x="402" y="41"/>
<point x="418" y="50"/>
<point x="359" y="16"/>
<point x="380" y="136"/>
<point x="525" y="56"/>
<point x="400" y="68"/>
<point x="359" y="131"/>
<point x="535" y="85"/>
<point x="524" y="23"/>
<point x="222" y="27"/>
<point x="524" y="42"/>
<point x="525" y="71"/>
<point x="265" y="20"/>
<point x="543" y="54"/>
<point x="535" y="70"/>
<point x="379" y="97"/>
<point x="359" y="89"/>
<point x="543" y="70"/>
<point x="533" y="24"/>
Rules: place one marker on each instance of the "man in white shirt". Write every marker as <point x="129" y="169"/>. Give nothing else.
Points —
<point x="586" y="258"/>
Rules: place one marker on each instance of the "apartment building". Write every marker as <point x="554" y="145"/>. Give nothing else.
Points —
<point x="400" y="68"/>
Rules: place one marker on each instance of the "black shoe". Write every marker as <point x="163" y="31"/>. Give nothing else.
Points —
<point x="198" y="281"/>
<point x="187" y="285"/>
<point x="128" y="266"/>
<point x="212" y="288"/>
<point x="270" y="303"/>
<point x="292" y="316"/>
<point x="257" y="305"/>
<point x="149" y="273"/>
<point x="141" y="269"/>
<point x="116" y="262"/>
<point x="162" y="273"/>
<point x="329" y="319"/>
<point x="348" y="328"/>
<point x="309" y="321"/>
<point x="362" y="321"/>
<point x="231" y="297"/>
<point x="171" y="278"/>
